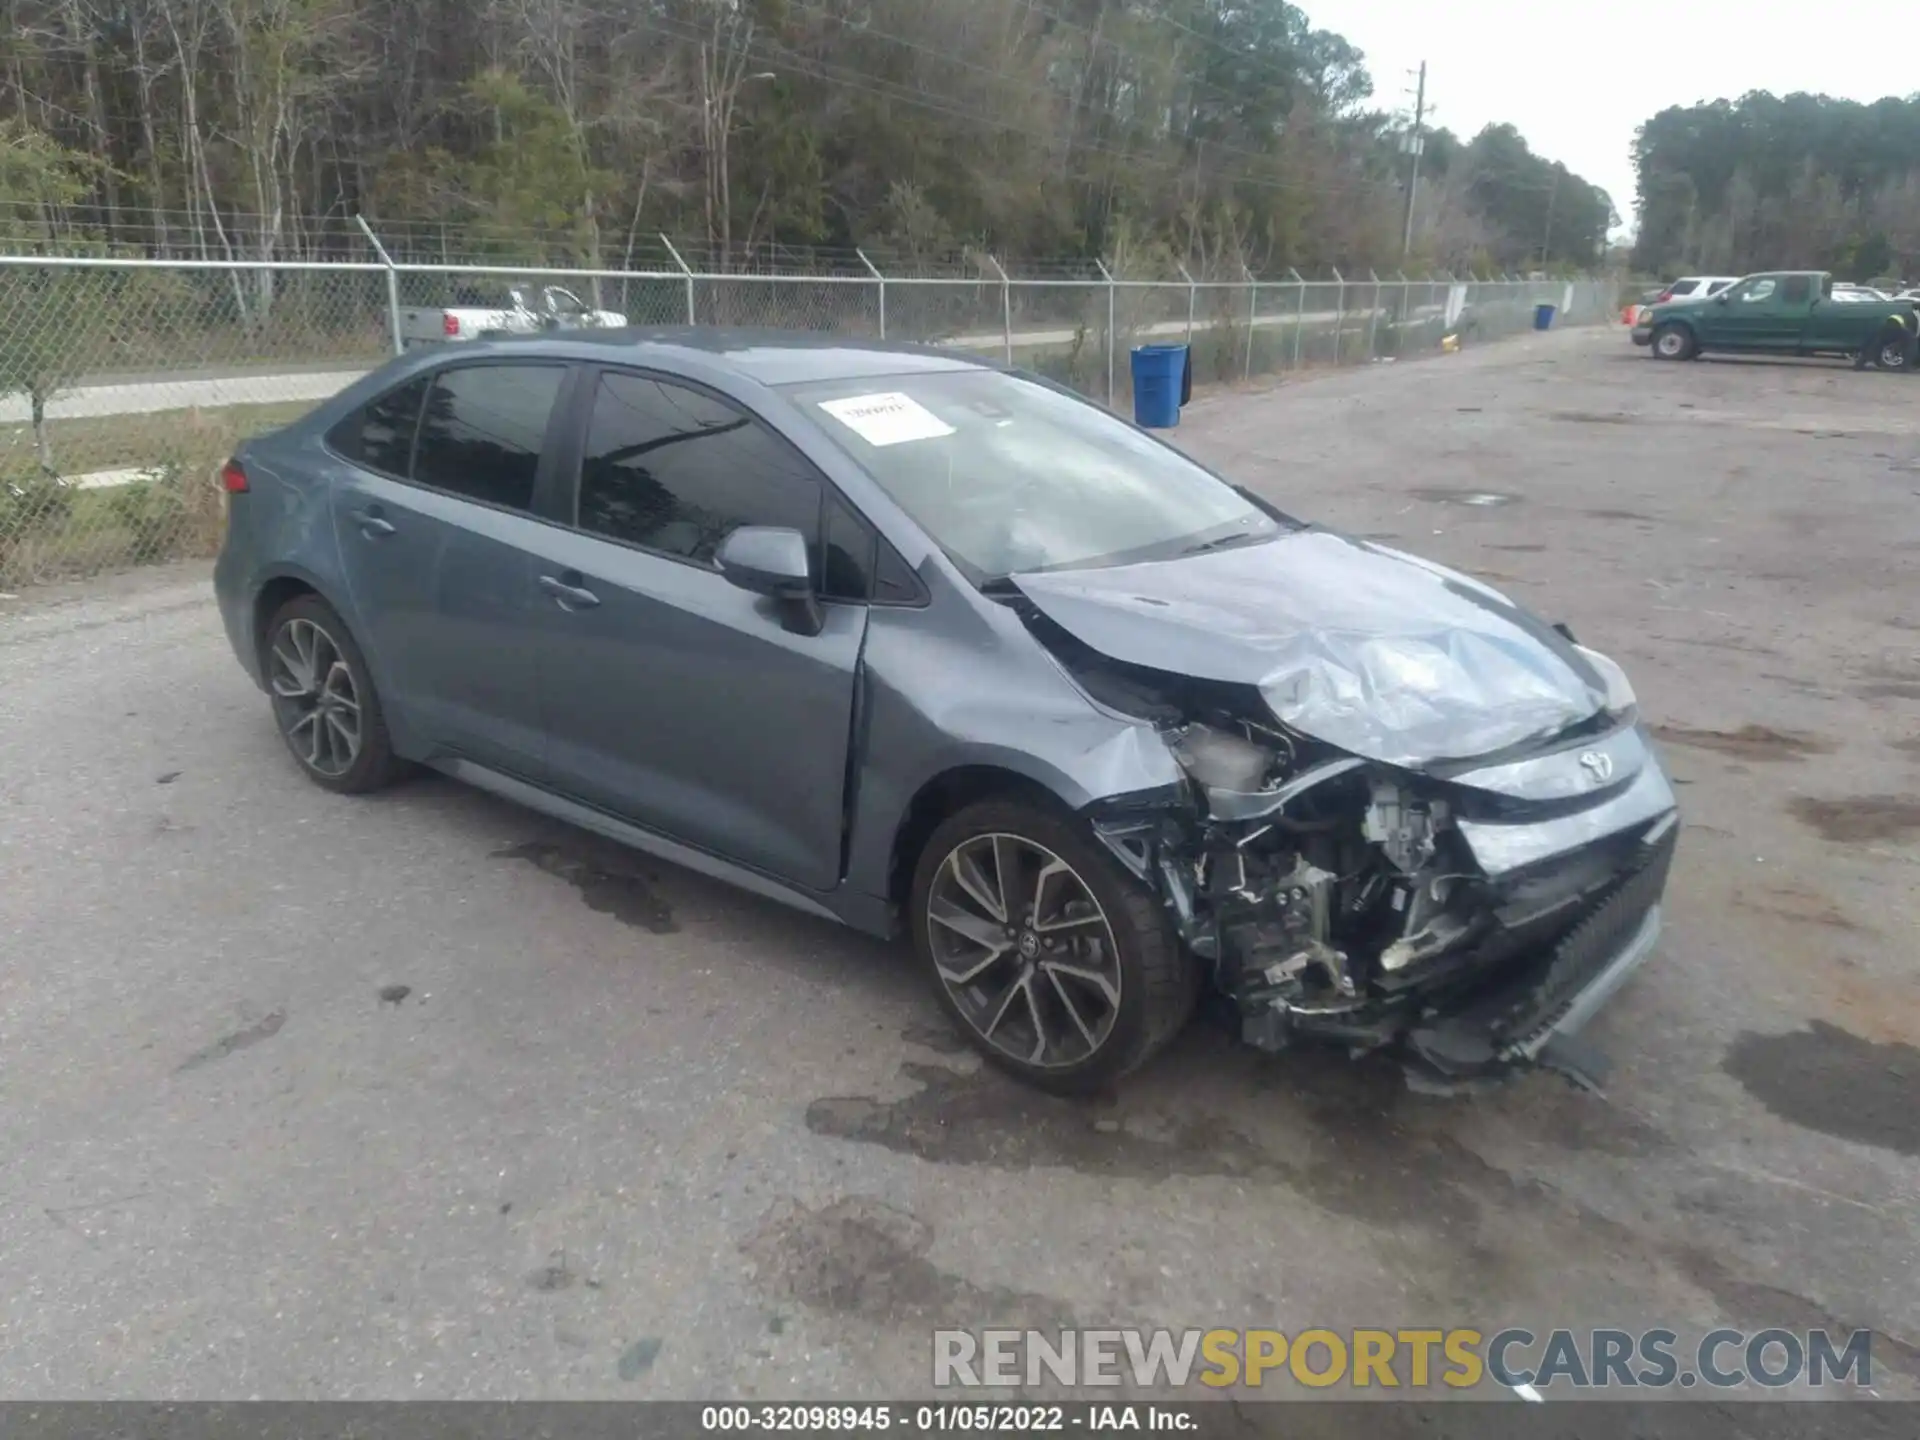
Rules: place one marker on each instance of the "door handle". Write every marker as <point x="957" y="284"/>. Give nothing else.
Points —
<point x="371" y="522"/>
<point x="569" y="591"/>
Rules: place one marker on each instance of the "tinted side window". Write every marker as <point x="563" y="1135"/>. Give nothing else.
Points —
<point x="379" y="435"/>
<point x="674" y="470"/>
<point x="846" y="554"/>
<point x="482" y="430"/>
<point x="1796" y="289"/>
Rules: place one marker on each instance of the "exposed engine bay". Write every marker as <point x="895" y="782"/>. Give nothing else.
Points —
<point x="1339" y="898"/>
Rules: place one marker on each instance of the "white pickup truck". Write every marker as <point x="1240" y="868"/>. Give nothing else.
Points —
<point x="523" y="310"/>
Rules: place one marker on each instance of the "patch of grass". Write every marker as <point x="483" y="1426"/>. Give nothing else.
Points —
<point x="50" y="529"/>
<point x="121" y="442"/>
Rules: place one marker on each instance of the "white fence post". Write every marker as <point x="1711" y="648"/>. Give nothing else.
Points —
<point x="1113" y="335"/>
<point x="1253" y="314"/>
<point x="1373" y="313"/>
<point x="1339" y="314"/>
<point x="692" y="318"/>
<point x="1006" y="308"/>
<point x="1193" y="293"/>
<point x="1299" y="312"/>
<point x="881" y="281"/>
<point x="393" y="282"/>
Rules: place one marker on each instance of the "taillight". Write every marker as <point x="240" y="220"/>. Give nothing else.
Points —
<point x="233" y="478"/>
<point x="451" y="324"/>
<point x="1663" y="297"/>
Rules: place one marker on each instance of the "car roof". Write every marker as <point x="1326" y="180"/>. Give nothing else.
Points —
<point x="772" y="357"/>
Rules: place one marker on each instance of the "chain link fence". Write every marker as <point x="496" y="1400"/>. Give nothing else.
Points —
<point x="125" y="384"/>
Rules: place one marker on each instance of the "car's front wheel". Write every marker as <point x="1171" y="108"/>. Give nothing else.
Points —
<point x="324" y="701"/>
<point x="1056" y="964"/>
<point x="1673" y="342"/>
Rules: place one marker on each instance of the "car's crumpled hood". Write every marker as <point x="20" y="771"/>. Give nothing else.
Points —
<point x="1383" y="655"/>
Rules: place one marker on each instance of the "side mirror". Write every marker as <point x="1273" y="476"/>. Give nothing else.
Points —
<point x="772" y="561"/>
<point x="1721" y="298"/>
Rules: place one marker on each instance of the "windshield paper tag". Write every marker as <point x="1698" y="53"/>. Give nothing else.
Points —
<point x="889" y="419"/>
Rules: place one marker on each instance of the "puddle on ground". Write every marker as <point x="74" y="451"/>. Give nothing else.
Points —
<point x="863" y="1258"/>
<point x="1476" y="499"/>
<point x="612" y="889"/>
<point x="1890" y="690"/>
<point x="1831" y="1080"/>
<point x="1860" y="820"/>
<point x="264" y="1028"/>
<point x="1749" y="742"/>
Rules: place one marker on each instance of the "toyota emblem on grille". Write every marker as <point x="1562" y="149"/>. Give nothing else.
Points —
<point x="1598" y="765"/>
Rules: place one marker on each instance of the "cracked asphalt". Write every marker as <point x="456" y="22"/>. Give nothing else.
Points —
<point x="422" y="1095"/>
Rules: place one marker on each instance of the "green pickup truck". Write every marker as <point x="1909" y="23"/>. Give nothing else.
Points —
<point x="1786" y="312"/>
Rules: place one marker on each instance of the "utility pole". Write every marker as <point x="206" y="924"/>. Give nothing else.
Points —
<point x="1414" y="145"/>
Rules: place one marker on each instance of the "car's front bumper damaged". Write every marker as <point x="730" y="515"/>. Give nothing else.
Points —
<point x="1470" y="922"/>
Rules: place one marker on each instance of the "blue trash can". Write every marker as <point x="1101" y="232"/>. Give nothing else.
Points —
<point x="1159" y="373"/>
<point x="1542" y="317"/>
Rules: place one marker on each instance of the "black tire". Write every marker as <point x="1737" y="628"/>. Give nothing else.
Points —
<point x="1158" y="979"/>
<point x="1894" y="349"/>
<point x="316" y="743"/>
<point x="1673" y="342"/>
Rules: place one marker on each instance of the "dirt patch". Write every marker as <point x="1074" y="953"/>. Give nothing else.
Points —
<point x="1749" y="742"/>
<point x="1909" y="746"/>
<point x="1861" y="820"/>
<point x="1828" y="1079"/>
<point x="1890" y="690"/>
<point x="612" y="887"/>
<point x="861" y="1258"/>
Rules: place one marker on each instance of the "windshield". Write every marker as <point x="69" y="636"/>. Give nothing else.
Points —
<point x="1009" y="476"/>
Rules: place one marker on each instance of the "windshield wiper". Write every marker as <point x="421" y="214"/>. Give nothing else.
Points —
<point x="1238" y="537"/>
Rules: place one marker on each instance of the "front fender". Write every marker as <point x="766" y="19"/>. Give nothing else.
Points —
<point x="977" y="691"/>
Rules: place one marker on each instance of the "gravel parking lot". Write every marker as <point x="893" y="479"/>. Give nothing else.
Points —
<point x="423" y="1095"/>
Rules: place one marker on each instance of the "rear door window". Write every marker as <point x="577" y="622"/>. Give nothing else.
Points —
<point x="1796" y="290"/>
<point x="379" y="435"/>
<point x="482" y="431"/>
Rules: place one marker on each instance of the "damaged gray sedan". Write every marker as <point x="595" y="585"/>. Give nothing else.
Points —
<point x="919" y="644"/>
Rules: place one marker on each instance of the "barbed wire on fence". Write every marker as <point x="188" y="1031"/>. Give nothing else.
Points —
<point x="126" y="382"/>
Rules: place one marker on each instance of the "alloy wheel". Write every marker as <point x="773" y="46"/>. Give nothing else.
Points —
<point x="315" y="697"/>
<point x="1024" y="950"/>
<point x="1893" y="355"/>
<point x="1670" y="343"/>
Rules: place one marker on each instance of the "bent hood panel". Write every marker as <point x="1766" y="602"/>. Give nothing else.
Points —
<point x="1385" y="656"/>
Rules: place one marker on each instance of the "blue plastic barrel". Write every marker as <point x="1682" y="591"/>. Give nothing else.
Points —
<point x="1542" y="317"/>
<point x="1158" y="372"/>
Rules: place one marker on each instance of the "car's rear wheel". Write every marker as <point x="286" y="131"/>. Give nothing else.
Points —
<point x="1056" y="964"/>
<point x="1673" y="342"/>
<point x="324" y="701"/>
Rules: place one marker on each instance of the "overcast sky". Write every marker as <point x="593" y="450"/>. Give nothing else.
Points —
<point x="1576" y="80"/>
